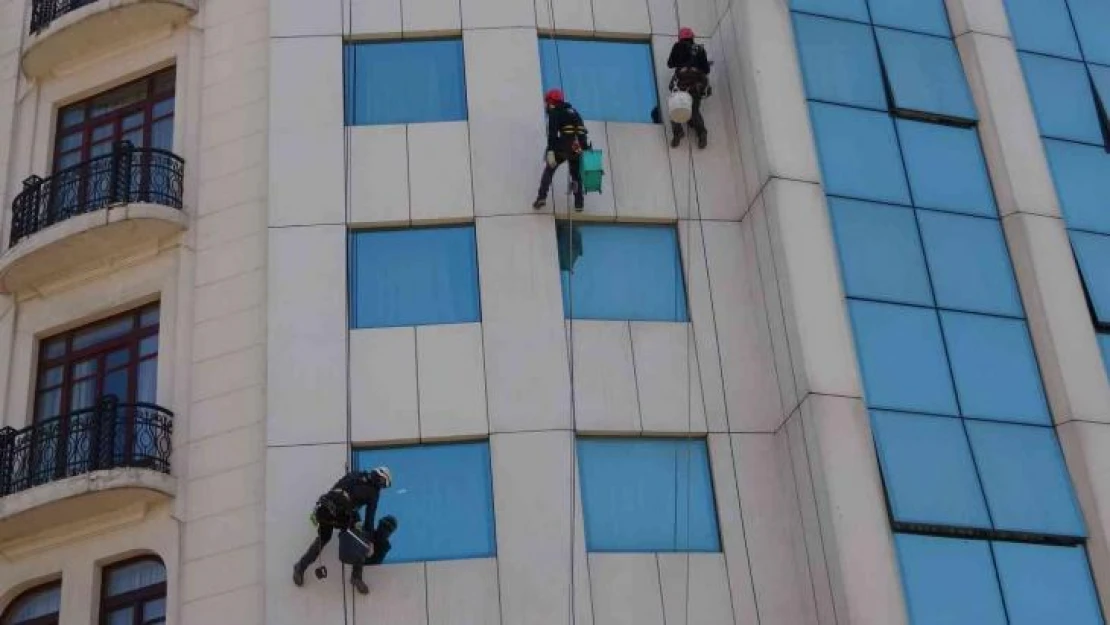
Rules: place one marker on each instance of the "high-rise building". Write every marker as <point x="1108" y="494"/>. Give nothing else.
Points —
<point x="846" y="364"/>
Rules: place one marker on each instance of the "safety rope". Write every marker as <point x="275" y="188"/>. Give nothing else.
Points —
<point x="349" y="79"/>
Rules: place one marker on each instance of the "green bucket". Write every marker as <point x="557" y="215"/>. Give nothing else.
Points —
<point x="593" y="168"/>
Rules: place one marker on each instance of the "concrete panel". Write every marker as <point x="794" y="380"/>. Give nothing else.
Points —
<point x="702" y="307"/>
<point x="292" y="18"/>
<point x="506" y="115"/>
<point x="622" y="16"/>
<point x="451" y="381"/>
<point x="641" y="171"/>
<point x="306" y="83"/>
<point x="699" y="15"/>
<point x="368" y="17"/>
<point x="491" y="14"/>
<point x="626" y="589"/>
<point x="225" y="413"/>
<point x="398" y="594"/>
<point x="695" y="588"/>
<point x="306" y="177"/>
<point x="1084" y="449"/>
<point x="306" y="345"/>
<point x="384" y="405"/>
<point x="295" y="477"/>
<point x="243" y="606"/>
<point x="597" y="204"/>
<point x="734" y="532"/>
<point x="439" y="171"/>
<point x="379" y="175"/>
<point x="570" y="15"/>
<point x="987" y="17"/>
<point x="666" y="364"/>
<point x="732" y="70"/>
<point x="212" y="575"/>
<point x="664" y="17"/>
<point x="463" y="592"/>
<point x="524" y="340"/>
<point x="420" y="16"/>
<point x="222" y="532"/>
<point x="532" y="476"/>
<point x="224" y="492"/>
<point x="772" y="300"/>
<point x="228" y="334"/>
<point x="605" y="398"/>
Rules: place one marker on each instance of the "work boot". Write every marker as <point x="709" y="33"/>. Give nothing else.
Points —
<point x="308" y="558"/>
<point x="298" y="575"/>
<point x="676" y="135"/>
<point x="703" y="140"/>
<point x="356" y="581"/>
<point x="579" y="203"/>
<point x="539" y="203"/>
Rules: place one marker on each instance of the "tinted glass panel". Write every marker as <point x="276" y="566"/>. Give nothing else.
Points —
<point x="995" y="370"/>
<point x="1082" y="177"/>
<point x="848" y="9"/>
<point x="880" y="251"/>
<point x="134" y="576"/>
<point x="604" y="80"/>
<point x="925" y="74"/>
<point x="405" y="82"/>
<point x="1030" y="495"/>
<point x="1062" y="98"/>
<point x="416" y="276"/>
<point x="946" y="168"/>
<point x="1091" y="18"/>
<point x="1104" y="344"/>
<point x="1093" y="253"/>
<point x="859" y="154"/>
<point x="623" y="272"/>
<point x="1101" y="77"/>
<point x="442" y="497"/>
<point x="1045" y="584"/>
<point x="839" y="61"/>
<point x="102" y="332"/>
<point x="949" y="581"/>
<point x="928" y="470"/>
<point x="35" y="603"/>
<point x="924" y="16"/>
<point x="1042" y="26"/>
<point x="969" y="263"/>
<point x="647" y="495"/>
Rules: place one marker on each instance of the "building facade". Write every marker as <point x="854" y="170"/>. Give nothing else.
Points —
<point x="846" y="365"/>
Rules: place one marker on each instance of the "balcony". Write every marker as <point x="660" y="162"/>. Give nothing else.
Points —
<point x="83" y="465"/>
<point x="92" y="213"/>
<point x="67" y="30"/>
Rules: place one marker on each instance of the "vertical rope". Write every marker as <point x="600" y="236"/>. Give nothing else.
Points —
<point x="349" y="76"/>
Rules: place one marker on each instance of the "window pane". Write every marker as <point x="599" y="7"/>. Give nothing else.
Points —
<point x="67" y="160"/>
<point x="48" y="405"/>
<point x="70" y="141"/>
<point x="1082" y="177"/>
<point x="1032" y="494"/>
<point x="54" y="348"/>
<point x="995" y="370"/>
<point x="442" y="496"/>
<point x="1090" y="19"/>
<point x="1042" y="26"/>
<point x="417" y="276"/>
<point x="149" y="316"/>
<point x="117" y="383"/>
<point x="72" y="115"/>
<point x="148" y="346"/>
<point x="1044" y="584"/>
<point x="163" y="108"/>
<point x="1101" y="77"/>
<point x="51" y="377"/>
<point x="84" y="369"/>
<point x="839" y="61"/>
<point x="154" y="609"/>
<point x="1104" y="344"/>
<point x="946" y="168"/>
<point x="623" y="272"/>
<point x="949" y="581"/>
<point x="924" y="16"/>
<point x="164" y="81"/>
<point x="928" y="471"/>
<point x="161" y="134"/>
<point x="969" y="263"/>
<point x="643" y="495"/>
<point x="605" y="80"/>
<point x="405" y="82"/>
<point x="126" y="616"/>
<point x="925" y="74"/>
<point x="134" y="576"/>
<point x="118" y="98"/>
<point x="880" y="252"/>
<point x="35" y="603"/>
<point x="148" y="381"/>
<point x="848" y="9"/>
<point x="859" y="154"/>
<point x="1093" y="253"/>
<point x="902" y="358"/>
<point x="82" y="394"/>
<point x="104" y="131"/>
<point x="118" y="358"/>
<point x="101" y="332"/>
<point x="1062" y="98"/>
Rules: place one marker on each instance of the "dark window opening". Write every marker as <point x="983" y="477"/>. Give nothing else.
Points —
<point x="37" y="606"/>
<point x="134" y="593"/>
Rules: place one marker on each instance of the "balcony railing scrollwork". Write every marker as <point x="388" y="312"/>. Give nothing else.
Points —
<point x="43" y="12"/>
<point x="110" y="435"/>
<point x="124" y="175"/>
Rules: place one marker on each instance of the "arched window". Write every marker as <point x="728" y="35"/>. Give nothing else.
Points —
<point x="134" y="593"/>
<point x="37" y="606"/>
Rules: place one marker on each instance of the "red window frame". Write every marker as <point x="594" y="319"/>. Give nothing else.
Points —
<point x="136" y="599"/>
<point x="47" y="619"/>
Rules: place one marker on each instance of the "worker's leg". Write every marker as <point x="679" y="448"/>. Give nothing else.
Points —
<point x="698" y="123"/>
<point x="323" y="535"/>
<point x="677" y="132"/>
<point x="545" y="181"/>
<point x="575" y="165"/>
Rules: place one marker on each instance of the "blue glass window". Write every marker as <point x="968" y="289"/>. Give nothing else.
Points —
<point x="1093" y="253"/>
<point x="902" y="358"/>
<point x="1024" y="478"/>
<point x="622" y="272"/>
<point x="405" y="82"/>
<point x="1082" y="177"/>
<point x="928" y="470"/>
<point x="442" y="496"/>
<point x="417" y="276"/>
<point x="647" y="495"/>
<point x="847" y="9"/>
<point x="925" y="74"/>
<point x="1090" y="19"/>
<point x="859" y="154"/>
<point x="995" y="370"/>
<point x="839" y="61"/>
<point x="880" y="252"/>
<point x="949" y="581"/>
<point x="923" y="16"/>
<point x="1062" y="100"/>
<point x="1101" y="77"/>
<point x="1104" y="344"/>
<point x="946" y="168"/>
<point x="969" y="263"/>
<point x="1042" y="26"/>
<point x="1044" y="584"/>
<point x="605" y="80"/>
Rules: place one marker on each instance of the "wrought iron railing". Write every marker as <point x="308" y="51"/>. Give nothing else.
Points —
<point x="43" y="12"/>
<point x="109" y="435"/>
<point x="126" y="174"/>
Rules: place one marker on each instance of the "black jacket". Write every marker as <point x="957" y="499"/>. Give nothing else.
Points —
<point x="564" y="125"/>
<point x="687" y="54"/>
<point x="362" y="491"/>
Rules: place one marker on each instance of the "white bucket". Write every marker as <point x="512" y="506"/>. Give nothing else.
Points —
<point x="680" y="106"/>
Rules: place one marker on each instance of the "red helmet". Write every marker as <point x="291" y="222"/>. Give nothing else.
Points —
<point x="553" y="96"/>
<point x="685" y="33"/>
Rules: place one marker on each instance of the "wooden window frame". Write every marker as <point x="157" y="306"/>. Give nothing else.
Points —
<point x="135" y="598"/>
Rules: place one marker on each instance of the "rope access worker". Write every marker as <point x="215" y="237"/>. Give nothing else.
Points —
<point x="566" y="138"/>
<point x="338" y="508"/>
<point x="691" y="74"/>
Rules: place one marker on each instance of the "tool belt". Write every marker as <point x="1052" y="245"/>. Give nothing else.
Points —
<point x="692" y="81"/>
<point x="334" y="509"/>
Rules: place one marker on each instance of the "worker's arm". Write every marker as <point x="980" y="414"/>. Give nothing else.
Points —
<point x="673" y="59"/>
<point x="552" y="129"/>
<point x="702" y="60"/>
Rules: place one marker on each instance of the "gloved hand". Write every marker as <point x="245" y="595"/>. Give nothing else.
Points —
<point x="387" y="525"/>
<point x="550" y="157"/>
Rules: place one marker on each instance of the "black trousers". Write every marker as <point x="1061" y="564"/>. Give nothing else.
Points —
<point x="696" y="122"/>
<point x="323" y="537"/>
<point x="573" y="161"/>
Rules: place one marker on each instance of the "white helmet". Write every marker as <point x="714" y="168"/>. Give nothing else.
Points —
<point x="384" y="475"/>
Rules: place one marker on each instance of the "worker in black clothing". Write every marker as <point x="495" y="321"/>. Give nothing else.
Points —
<point x="691" y="74"/>
<point x="566" y="138"/>
<point x="338" y="508"/>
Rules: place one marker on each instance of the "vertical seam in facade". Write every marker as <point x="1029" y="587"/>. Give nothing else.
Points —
<point x="817" y="510"/>
<point x="635" y="378"/>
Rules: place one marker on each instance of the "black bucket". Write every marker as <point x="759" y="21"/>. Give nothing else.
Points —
<point x="354" y="547"/>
